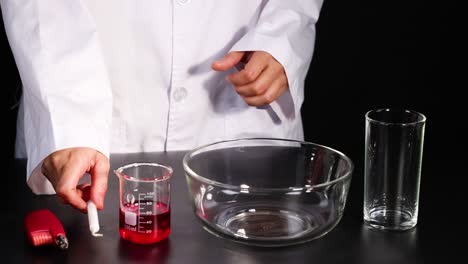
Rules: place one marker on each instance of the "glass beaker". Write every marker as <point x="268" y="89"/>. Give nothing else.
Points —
<point x="144" y="202"/>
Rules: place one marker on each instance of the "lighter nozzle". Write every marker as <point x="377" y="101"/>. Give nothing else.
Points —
<point x="61" y="241"/>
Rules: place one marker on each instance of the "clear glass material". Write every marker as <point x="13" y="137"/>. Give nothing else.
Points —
<point x="145" y="215"/>
<point x="393" y="157"/>
<point x="268" y="192"/>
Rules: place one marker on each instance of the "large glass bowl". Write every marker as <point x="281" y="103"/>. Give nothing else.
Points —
<point x="268" y="192"/>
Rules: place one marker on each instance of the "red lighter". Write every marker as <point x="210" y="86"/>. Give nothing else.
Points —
<point x="43" y="227"/>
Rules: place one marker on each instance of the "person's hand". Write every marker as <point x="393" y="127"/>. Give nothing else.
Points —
<point x="260" y="82"/>
<point x="64" y="169"/>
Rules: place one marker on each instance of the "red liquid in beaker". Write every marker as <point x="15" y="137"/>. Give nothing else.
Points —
<point x="142" y="227"/>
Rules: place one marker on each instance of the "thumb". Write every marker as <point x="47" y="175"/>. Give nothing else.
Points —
<point x="229" y="61"/>
<point x="99" y="174"/>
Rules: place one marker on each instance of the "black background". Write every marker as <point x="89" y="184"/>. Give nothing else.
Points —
<point x="369" y="54"/>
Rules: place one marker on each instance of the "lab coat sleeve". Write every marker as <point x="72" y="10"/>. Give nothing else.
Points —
<point x="286" y="30"/>
<point x="66" y="91"/>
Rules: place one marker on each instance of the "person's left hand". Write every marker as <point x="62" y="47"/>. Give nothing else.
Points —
<point x="260" y="82"/>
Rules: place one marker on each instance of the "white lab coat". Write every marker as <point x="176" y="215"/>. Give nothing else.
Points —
<point x="134" y="76"/>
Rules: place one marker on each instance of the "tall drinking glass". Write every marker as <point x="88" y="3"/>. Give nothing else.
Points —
<point x="393" y="158"/>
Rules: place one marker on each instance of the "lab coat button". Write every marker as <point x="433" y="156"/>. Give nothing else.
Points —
<point x="184" y="2"/>
<point x="180" y="94"/>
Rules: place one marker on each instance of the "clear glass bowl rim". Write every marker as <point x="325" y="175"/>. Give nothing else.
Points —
<point x="192" y="174"/>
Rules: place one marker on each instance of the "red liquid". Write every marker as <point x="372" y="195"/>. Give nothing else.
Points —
<point x="142" y="227"/>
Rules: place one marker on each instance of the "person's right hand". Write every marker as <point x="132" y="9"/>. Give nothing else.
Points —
<point x="65" y="168"/>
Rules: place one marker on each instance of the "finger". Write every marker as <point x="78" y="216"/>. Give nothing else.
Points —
<point x="229" y="61"/>
<point x="73" y="197"/>
<point x="66" y="187"/>
<point x="257" y="63"/>
<point x="261" y="85"/>
<point x="84" y="191"/>
<point x="271" y="94"/>
<point x="99" y="174"/>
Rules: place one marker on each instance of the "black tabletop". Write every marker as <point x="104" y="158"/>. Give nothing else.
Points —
<point x="433" y="240"/>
